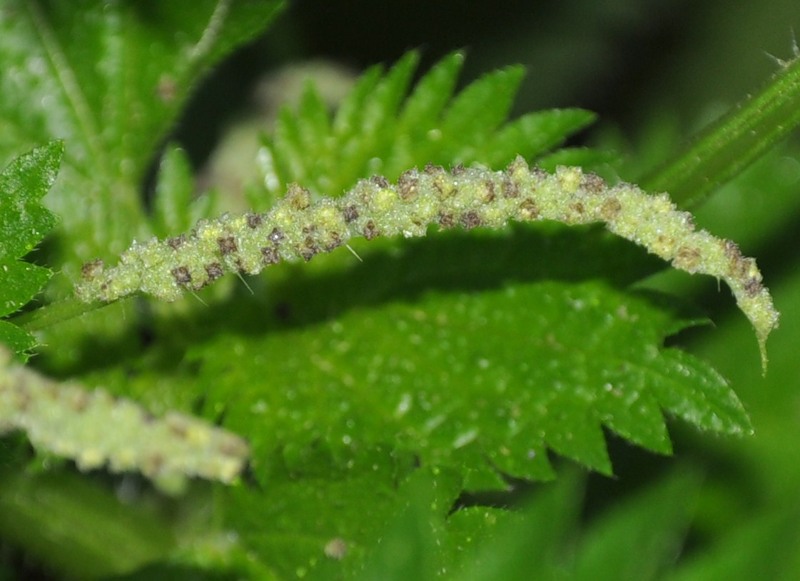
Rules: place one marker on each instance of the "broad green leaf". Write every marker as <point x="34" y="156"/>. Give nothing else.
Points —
<point x="483" y="382"/>
<point x="108" y="79"/>
<point x="24" y="222"/>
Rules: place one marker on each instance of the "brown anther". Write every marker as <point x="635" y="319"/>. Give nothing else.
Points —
<point x="446" y="221"/>
<point x="92" y="268"/>
<point x="370" y="230"/>
<point x="753" y="287"/>
<point x="510" y="188"/>
<point x="227" y="245"/>
<point x="407" y="185"/>
<point x="528" y="210"/>
<point x="592" y="183"/>
<point x="214" y="271"/>
<point x="276" y="235"/>
<point x="610" y="209"/>
<point x="181" y="275"/>
<point x="379" y="181"/>
<point x="350" y="214"/>
<point x="299" y="198"/>
<point x="176" y="241"/>
<point x="254" y="220"/>
<point x="471" y="219"/>
<point x="687" y="258"/>
<point x="270" y="255"/>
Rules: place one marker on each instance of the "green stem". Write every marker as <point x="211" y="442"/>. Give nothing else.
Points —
<point x="733" y="142"/>
<point x="55" y="313"/>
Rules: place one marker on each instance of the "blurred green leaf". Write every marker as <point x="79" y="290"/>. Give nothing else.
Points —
<point x="78" y="528"/>
<point x="174" y="192"/>
<point x="766" y="546"/>
<point x="641" y="538"/>
<point x="379" y="130"/>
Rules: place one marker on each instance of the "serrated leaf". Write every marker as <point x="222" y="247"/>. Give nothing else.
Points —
<point x="479" y="109"/>
<point x="637" y="539"/>
<point x="378" y="130"/>
<point x="424" y="106"/>
<point x="16" y="339"/>
<point x="24" y="222"/>
<point x="485" y="382"/>
<point x="520" y="542"/>
<point x="410" y="548"/>
<point x="174" y="190"/>
<point x="109" y="79"/>
<point x="542" y="131"/>
<point x="19" y="282"/>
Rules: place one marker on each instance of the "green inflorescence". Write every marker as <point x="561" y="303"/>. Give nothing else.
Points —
<point x="299" y="228"/>
<point x="98" y="430"/>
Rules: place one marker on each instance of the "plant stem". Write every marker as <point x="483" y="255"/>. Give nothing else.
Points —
<point x="54" y="313"/>
<point x="733" y="142"/>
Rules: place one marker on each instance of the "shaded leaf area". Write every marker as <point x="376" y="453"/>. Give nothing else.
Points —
<point x="638" y="539"/>
<point x="766" y="546"/>
<point x="109" y="80"/>
<point x="378" y="129"/>
<point x="485" y="382"/>
<point x="78" y="527"/>
<point x="752" y="523"/>
<point x="24" y="222"/>
<point x="323" y="517"/>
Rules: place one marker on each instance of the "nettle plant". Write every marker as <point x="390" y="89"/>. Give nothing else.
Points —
<point x="343" y="407"/>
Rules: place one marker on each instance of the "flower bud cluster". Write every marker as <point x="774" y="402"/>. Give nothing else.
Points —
<point x="96" y="430"/>
<point x="298" y="228"/>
